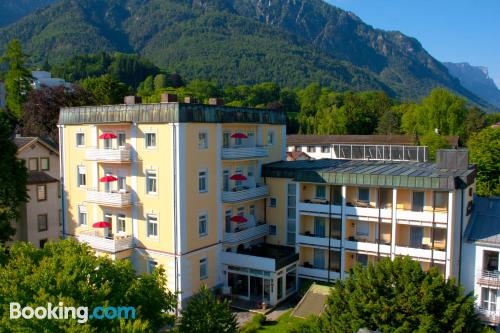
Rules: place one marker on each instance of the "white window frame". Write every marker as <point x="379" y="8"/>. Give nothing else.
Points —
<point x="146" y="140"/>
<point x="270" y="137"/>
<point x="492" y="299"/>
<point x="152" y="175"/>
<point x="325" y="149"/>
<point x="311" y="149"/>
<point x="202" y="219"/>
<point x="359" y="188"/>
<point x="204" y="262"/>
<point x="82" y="211"/>
<point x="150" y="217"/>
<point x="77" y="141"/>
<point x="81" y="176"/>
<point x="119" y="133"/>
<point x="361" y="233"/>
<point x="121" y="221"/>
<point x="203" y="174"/>
<point x="203" y="139"/>
<point x="316" y="192"/>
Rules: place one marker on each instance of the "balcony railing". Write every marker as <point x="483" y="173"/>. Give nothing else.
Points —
<point x="360" y="245"/>
<point x="369" y="212"/>
<point x="107" y="155"/>
<point x="487" y="277"/>
<point x="112" y="245"/>
<point x="319" y="207"/>
<point x="425" y="216"/>
<point x="245" y="194"/>
<point x="310" y="239"/>
<point x="491" y="317"/>
<point x="114" y="199"/>
<point x="317" y="273"/>
<point x="238" y="153"/>
<point x="420" y="252"/>
<point x="246" y="234"/>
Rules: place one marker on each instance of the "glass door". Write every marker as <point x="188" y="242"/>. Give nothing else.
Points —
<point x="319" y="258"/>
<point x="417" y="204"/>
<point x="416" y="235"/>
<point x="319" y="226"/>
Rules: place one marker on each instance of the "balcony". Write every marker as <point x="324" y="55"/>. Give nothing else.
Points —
<point x="368" y="213"/>
<point x="310" y="239"/>
<point x="318" y="207"/>
<point x="244" y="194"/>
<point x="113" y="199"/>
<point x="488" y="316"/>
<point x="107" y="155"/>
<point x="362" y="245"/>
<point x="422" y="253"/>
<point x="246" y="234"/>
<point x="112" y="245"/>
<point x="265" y="257"/>
<point x="242" y="153"/>
<point x="490" y="278"/>
<point x="317" y="273"/>
<point x="425" y="216"/>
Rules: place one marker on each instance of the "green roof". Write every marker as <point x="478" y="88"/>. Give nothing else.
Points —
<point x="371" y="173"/>
<point x="168" y="113"/>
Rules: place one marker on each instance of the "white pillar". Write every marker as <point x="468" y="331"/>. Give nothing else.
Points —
<point x="133" y="180"/>
<point x="449" y="236"/>
<point x="342" y="236"/>
<point x="394" y="222"/>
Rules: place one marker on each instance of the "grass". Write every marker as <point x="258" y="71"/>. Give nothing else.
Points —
<point x="284" y="323"/>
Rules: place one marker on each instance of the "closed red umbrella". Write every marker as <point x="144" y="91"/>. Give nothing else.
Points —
<point x="107" y="179"/>
<point x="107" y="136"/>
<point x="239" y="136"/>
<point x="238" y="177"/>
<point x="239" y="219"/>
<point x="102" y="224"/>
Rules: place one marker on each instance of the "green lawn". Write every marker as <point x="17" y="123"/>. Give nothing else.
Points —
<point x="284" y="323"/>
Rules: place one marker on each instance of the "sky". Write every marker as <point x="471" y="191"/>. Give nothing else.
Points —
<point x="450" y="30"/>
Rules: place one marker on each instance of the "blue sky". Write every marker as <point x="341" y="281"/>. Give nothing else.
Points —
<point x="450" y="30"/>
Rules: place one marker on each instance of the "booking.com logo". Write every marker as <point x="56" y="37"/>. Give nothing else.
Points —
<point x="61" y="312"/>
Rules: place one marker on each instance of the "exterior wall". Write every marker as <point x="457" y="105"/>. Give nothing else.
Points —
<point x="277" y="216"/>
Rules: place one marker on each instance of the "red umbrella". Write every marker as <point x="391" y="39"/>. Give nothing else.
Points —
<point x="239" y="136"/>
<point x="239" y="219"/>
<point x="107" y="179"/>
<point x="107" y="136"/>
<point x="102" y="224"/>
<point x="238" y="177"/>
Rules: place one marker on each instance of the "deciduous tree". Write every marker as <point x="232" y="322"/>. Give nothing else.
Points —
<point x="484" y="150"/>
<point x="106" y="89"/>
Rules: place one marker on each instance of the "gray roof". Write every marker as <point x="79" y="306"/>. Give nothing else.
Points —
<point x="484" y="225"/>
<point x="371" y="173"/>
<point x="23" y="141"/>
<point x="168" y="113"/>
<point x="40" y="177"/>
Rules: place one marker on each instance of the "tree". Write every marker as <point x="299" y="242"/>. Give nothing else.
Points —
<point x="69" y="272"/>
<point x="397" y="296"/>
<point x="474" y="122"/>
<point x="389" y="123"/>
<point x="18" y="77"/>
<point x="41" y="110"/>
<point x="484" y="150"/>
<point x="106" y="89"/>
<point x="206" y="314"/>
<point x="434" y="142"/>
<point x="13" y="177"/>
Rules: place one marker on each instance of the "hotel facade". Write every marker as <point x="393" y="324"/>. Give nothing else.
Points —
<point x="205" y="191"/>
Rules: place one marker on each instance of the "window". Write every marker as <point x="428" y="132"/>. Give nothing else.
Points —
<point x="226" y="139"/>
<point x="489" y="299"/>
<point x="203" y="225"/>
<point x="121" y="223"/>
<point x="80" y="139"/>
<point x="150" y="140"/>
<point x="122" y="184"/>
<point x="203" y="268"/>
<point x="320" y="191"/>
<point x="33" y="164"/>
<point x="44" y="163"/>
<point x="270" y="137"/>
<point x="225" y="181"/>
<point x="151" y="266"/>
<point x="441" y="200"/>
<point x="203" y="140"/>
<point x="298" y="148"/>
<point x="291" y="215"/>
<point x="81" y="179"/>
<point x="202" y="181"/>
<point x="152" y="226"/>
<point x="272" y="229"/>
<point x="272" y="202"/>
<point x="108" y="143"/>
<point x="325" y="149"/>
<point x="121" y="139"/>
<point x="252" y="211"/>
<point x="311" y="149"/>
<point x="362" y="259"/>
<point x="42" y="222"/>
<point x="241" y="211"/>
<point x="43" y="242"/>
<point x="364" y="194"/>
<point x="362" y="229"/>
<point x="41" y="192"/>
<point x="82" y="215"/>
<point x="151" y="182"/>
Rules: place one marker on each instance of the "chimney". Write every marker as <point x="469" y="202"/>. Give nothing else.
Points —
<point x="456" y="159"/>
<point x="189" y="100"/>
<point x="168" y="98"/>
<point x="131" y="100"/>
<point x="215" y="101"/>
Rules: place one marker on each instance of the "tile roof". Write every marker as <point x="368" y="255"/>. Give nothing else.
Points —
<point x="39" y="177"/>
<point x="371" y="173"/>
<point x="23" y="141"/>
<point x="484" y="225"/>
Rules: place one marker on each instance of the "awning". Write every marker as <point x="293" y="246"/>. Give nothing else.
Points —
<point x="238" y="177"/>
<point x="239" y="219"/>
<point x="102" y="224"/>
<point x="107" y="179"/>
<point x="239" y="136"/>
<point x="107" y="136"/>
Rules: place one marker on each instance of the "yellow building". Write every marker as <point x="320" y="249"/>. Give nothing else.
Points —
<point x="177" y="185"/>
<point x="341" y="212"/>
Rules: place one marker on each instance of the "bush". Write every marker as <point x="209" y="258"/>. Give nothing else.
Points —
<point x="255" y="324"/>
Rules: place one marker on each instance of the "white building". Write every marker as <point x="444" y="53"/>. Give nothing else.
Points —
<point x="480" y="271"/>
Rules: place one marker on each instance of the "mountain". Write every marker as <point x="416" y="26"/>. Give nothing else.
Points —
<point x="13" y="10"/>
<point x="477" y="80"/>
<point x="290" y="42"/>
